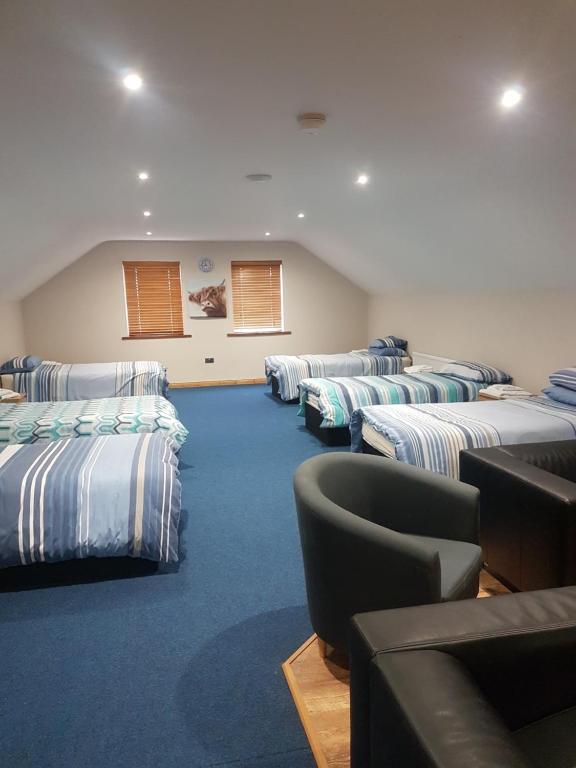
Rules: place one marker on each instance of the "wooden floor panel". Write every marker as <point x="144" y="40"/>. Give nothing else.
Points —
<point x="320" y="689"/>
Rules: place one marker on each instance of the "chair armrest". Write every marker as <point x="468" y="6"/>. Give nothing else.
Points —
<point x="506" y="473"/>
<point x="426" y="710"/>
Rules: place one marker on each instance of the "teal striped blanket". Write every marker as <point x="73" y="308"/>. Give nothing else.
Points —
<point x="85" y="381"/>
<point x="290" y="370"/>
<point x="115" y="496"/>
<point x="31" y="422"/>
<point x="432" y="436"/>
<point x="338" y="398"/>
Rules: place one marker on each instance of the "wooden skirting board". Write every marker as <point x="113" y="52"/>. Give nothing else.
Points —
<point x="216" y="383"/>
<point x="321" y="692"/>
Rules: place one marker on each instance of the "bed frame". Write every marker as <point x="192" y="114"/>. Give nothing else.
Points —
<point x="331" y="436"/>
<point x="367" y="448"/>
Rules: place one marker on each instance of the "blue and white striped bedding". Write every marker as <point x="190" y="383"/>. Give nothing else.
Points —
<point x="31" y="422"/>
<point x="290" y="370"/>
<point x="432" y="436"/>
<point x="112" y="496"/>
<point x="338" y="398"/>
<point x="84" y="381"/>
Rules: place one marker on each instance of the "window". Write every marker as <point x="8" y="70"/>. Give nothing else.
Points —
<point x="257" y="297"/>
<point x="153" y="299"/>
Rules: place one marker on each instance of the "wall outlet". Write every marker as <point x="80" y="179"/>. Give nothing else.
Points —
<point x="208" y="359"/>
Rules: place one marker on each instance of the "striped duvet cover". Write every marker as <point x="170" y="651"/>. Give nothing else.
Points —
<point x="432" y="436"/>
<point x="338" y="398"/>
<point x="85" y="381"/>
<point x="32" y="422"/>
<point x="116" y="496"/>
<point x="290" y="370"/>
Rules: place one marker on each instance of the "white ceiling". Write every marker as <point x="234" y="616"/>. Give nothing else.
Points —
<point x="462" y="195"/>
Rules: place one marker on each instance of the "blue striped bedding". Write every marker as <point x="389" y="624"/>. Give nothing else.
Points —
<point x="113" y="496"/>
<point x="31" y="422"/>
<point x="290" y="370"/>
<point x="85" y="381"/>
<point x="432" y="436"/>
<point x="338" y="398"/>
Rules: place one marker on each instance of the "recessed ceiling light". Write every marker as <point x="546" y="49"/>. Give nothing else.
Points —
<point x="362" y="179"/>
<point x="133" y="82"/>
<point x="148" y="233"/>
<point x="143" y="176"/>
<point x="511" y="97"/>
<point x="266" y="234"/>
<point x="301" y="215"/>
<point x="147" y="213"/>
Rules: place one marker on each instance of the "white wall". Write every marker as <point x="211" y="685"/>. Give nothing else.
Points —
<point x="11" y="330"/>
<point x="529" y="335"/>
<point x="79" y="315"/>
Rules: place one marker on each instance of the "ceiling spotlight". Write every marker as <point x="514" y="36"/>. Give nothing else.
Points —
<point x="133" y="82"/>
<point x="301" y="215"/>
<point x="511" y="97"/>
<point x="362" y="179"/>
<point x="266" y="234"/>
<point x="148" y="233"/>
<point x="143" y="176"/>
<point x="147" y="213"/>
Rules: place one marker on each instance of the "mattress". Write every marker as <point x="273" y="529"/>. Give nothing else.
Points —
<point x="52" y="381"/>
<point x="338" y="397"/>
<point x="34" y="422"/>
<point x="431" y="436"/>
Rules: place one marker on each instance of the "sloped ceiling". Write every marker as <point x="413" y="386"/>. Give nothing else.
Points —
<point x="462" y="195"/>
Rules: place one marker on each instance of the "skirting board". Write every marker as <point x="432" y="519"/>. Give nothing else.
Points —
<point x="215" y="383"/>
<point x="321" y="693"/>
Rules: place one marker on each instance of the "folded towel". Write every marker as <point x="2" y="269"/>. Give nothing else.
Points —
<point x="418" y="369"/>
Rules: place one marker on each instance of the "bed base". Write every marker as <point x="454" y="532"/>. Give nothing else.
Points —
<point x="330" y="436"/>
<point x="367" y="448"/>
<point x="276" y="391"/>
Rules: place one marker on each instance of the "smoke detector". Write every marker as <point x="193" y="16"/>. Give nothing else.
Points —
<point x="311" y="122"/>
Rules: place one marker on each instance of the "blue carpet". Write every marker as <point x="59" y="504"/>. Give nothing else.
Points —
<point x="182" y="668"/>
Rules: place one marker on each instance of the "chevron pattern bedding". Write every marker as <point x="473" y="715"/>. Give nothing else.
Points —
<point x="338" y="398"/>
<point x="84" y="381"/>
<point x="32" y="422"/>
<point x="290" y="370"/>
<point x="112" y="496"/>
<point x="432" y="436"/>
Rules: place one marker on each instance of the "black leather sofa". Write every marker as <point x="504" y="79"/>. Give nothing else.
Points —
<point x="481" y="683"/>
<point x="527" y="511"/>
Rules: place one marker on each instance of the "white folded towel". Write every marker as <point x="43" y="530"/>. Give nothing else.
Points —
<point x="418" y="369"/>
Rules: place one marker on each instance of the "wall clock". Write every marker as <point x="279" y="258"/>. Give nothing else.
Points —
<point x="205" y="264"/>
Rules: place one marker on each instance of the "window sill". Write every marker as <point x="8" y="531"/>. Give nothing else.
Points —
<point x="260" y="333"/>
<point x="153" y="336"/>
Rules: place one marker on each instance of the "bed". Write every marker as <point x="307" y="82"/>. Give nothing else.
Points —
<point x="33" y="422"/>
<point x="431" y="436"/>
<point x="51" y="381"/>
<point x="328" y="403"/>
<point x="110" y="496"/>
<point x="285" y="372"/>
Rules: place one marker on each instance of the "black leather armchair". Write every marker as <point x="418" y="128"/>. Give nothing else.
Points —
<point x="381" y="534"/>
<point x="486" y="683"/>
<point x="527" y="511"/>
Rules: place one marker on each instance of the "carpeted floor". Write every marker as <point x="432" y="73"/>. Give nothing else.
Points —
<point x="183" y="668"/>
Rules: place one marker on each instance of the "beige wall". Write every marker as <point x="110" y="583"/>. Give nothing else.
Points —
<point x="79" y="315"/>
<point x="11" y="330"/>
<point x="528" y="335"/>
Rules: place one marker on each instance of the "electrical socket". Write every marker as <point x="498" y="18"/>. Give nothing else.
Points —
<point x="208" y="359"/>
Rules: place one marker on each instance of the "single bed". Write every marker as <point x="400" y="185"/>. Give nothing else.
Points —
<point x="111" y="496"/>
<point x="33" y="422"/>
<point x="285" y="372"/>
<point x="328" y="403"/>
<point x="51" y="381"/>
<point x="432" y="436"/>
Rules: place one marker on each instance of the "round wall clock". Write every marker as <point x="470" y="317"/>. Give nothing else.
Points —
<point x="205" y="264"/>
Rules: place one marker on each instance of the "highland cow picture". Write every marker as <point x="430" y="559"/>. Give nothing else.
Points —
<point x="207" y="300"/>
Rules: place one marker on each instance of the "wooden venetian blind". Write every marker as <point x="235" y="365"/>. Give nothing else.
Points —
<point x="257" y="295"/>
<point x="153" y="299"/>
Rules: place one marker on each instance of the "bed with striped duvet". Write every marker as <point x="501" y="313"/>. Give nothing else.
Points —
<point x="113" y="496"/>
<point x="338" y="398"/>
<point x="85" y="381"/>
<point x="290" y="370"/>
<point x="33" y="422"/>
<point x="432" y="436"/>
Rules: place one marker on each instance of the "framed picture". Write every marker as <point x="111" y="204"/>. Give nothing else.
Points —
<point x="207" y="300"/>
